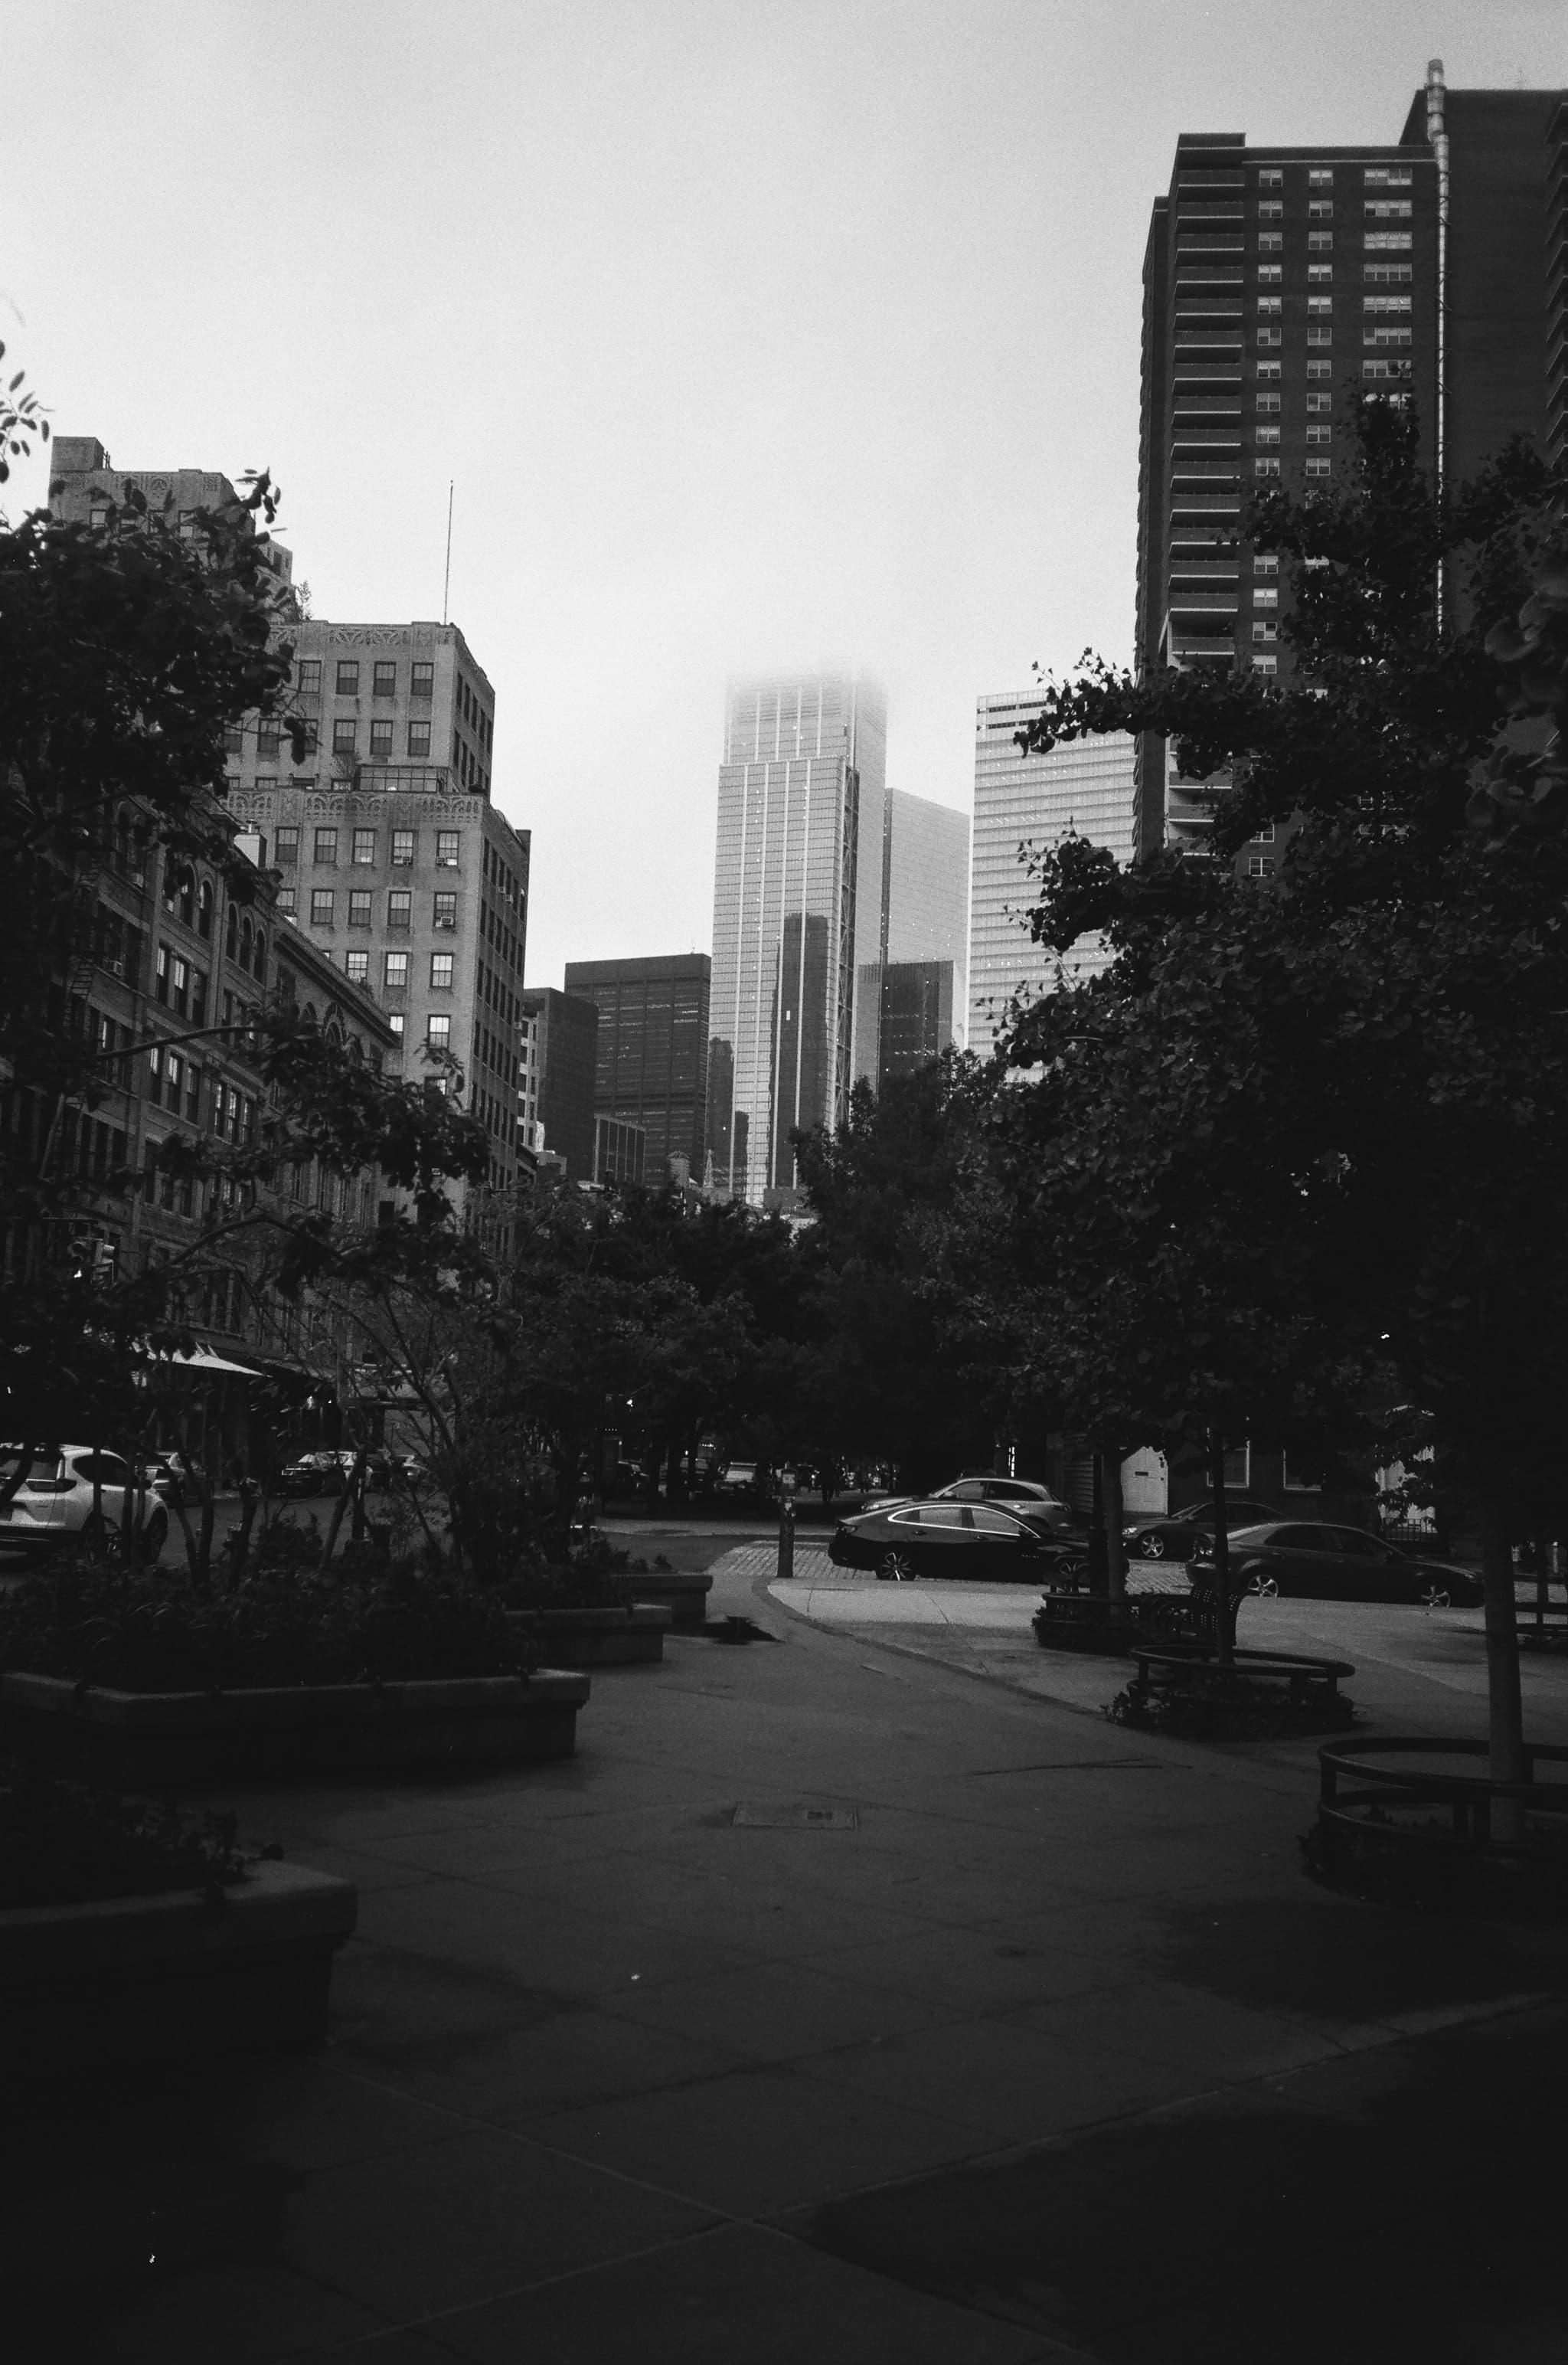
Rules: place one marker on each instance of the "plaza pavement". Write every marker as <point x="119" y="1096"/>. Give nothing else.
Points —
<point x="839" y="2001"/>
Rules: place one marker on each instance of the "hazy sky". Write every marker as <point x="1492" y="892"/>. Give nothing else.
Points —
<point x="753" y="331"/>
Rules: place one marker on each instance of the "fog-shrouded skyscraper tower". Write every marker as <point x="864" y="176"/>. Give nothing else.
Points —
<point x="804" y="753"/>
<point x="1083" y="786"/>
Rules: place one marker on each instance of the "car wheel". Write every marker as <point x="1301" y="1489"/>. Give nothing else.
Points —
<point x="101" y="1538"/>
<point x="1264" y="1589"/>
<point x="896" y="1568"/>
<point x="153" y="1539"/>
<point x="1435" y="1596"/>
<point x="1151" y="1544"/>
<point x="1071" y="1570"/>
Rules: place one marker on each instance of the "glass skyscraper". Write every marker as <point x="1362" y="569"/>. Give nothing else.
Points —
<point x="914" y="914"/>
<point x="1084" y="785"/>
<point x="804" y="755"/>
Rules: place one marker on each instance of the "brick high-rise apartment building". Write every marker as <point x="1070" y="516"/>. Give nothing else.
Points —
<point x="1278" y="284"/>
<point x="392" y="855"/>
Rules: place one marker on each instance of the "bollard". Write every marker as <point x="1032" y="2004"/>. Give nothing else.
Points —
<point x="786" y="1540"/>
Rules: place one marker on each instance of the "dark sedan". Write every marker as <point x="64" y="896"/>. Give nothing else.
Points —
<point x="1333" y="1564"/>
<point x="1174" y="1535"/>
<point x="977" y="1542"/>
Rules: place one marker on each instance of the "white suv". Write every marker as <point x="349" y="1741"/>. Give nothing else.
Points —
<point x="69" y="1492"/>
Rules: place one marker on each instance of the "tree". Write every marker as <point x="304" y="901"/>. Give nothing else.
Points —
<point x="1303" y="1147"/>
<point x="127" y="651"/>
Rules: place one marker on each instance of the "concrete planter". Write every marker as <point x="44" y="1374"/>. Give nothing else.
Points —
<point x="1084" y="1622"/>
<point x="136" y="1741"/>
<point x="597" y="1638"/>
<point x="138" y="1979"/>
<point x="685" y="1597"/>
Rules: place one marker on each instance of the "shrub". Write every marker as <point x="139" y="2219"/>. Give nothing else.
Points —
<point x="63" y="1845"/>
<point x="285" y="1622"/>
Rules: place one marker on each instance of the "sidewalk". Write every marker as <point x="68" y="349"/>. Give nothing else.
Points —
<point x="835" y="2001"/>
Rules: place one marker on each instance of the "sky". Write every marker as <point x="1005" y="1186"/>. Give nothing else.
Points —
<point x="750" y="333"/>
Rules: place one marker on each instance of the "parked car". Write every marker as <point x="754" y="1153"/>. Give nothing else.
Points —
<point x="1173" y="1535"/>
<point x="316" y="1473"/>
<point x="738" y="1478"/>
<point x="1026" y="1495"/>
<point x="1335" y="1563"/>
<point x="73" y="1495"/>
<point x="979" y="1541"/>
<point x="169" y="1476"/>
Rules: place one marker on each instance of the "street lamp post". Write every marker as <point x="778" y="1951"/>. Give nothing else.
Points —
<point x="786" y="1525"/>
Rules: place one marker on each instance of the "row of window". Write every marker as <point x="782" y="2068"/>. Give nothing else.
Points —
<point x="362" y="847"/>
<point x="177" y="1084"/>
<point x="383" y="678"/>
<point x="1271" y="468"/>
<point x="395" y="969"/>
<point x="345" y="739"/>
<point x="1318" y="405"/>
<point x="400" y="908"/>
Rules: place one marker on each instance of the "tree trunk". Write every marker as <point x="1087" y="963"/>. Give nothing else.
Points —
<point x="1099" y="1567"/>
<point x="1505" y="1719"/>
<point x="356" y="1478"/>
<point x="1225" y="1640"/>
<point x="1115" y="1555"/>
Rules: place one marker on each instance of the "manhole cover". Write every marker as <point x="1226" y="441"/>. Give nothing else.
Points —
<point x="797" y="1819"/>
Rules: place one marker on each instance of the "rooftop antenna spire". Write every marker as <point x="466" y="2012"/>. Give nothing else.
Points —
<point x="447" y="579"/>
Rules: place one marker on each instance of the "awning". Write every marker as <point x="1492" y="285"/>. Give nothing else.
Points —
<point x="202" y="1358"/>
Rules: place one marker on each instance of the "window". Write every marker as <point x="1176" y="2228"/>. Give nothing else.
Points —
<point x="381" y="741"/>
<point x="398" y="970"/>
<point x="1265" y="561"/>
<point x="365" y="845"/>
<point x="327" y="847"/>
<point x="439" y="1034"/>
<point x="1321" y="176"/>
<point x="310" y="677"/>
<point x="1271" y="241"/>
<point x="1386" y="275"/>
<point x="1318" y="467"/>
<point x="1264" y="833"/>
<point x="385" y="682"/>
<point x="422" y="678"/>
<point x="359" y="907"/>
<point x="287" y="900"/>
<point x="193" y="1093"/>
<point x="1271" y="177"/>
<point x="441" y="972"/>
<point x="1267" y="337"/>
<point x="1386" y="337"/>
<point x="1319" y="332"/>
<point x="400" y="908"/>
<point x="1265" y="665"/>
<point x="446" y="911"/>
<point x="1386" y="210"/>
<point x="321" y="907"/>
<point x="198" y="997"/>
<point x="1265" y="468"/>
<point x="1387" y="242"/>
<point x="1265" y="629"/>
<point x="395" y="1020"/>
<point x="1318" y="405"/>
<point x="1319" y="275"/>
<point x="357" y="968"/>
<point x="344" y="736"/>
<point x="1268" y="372"/>
<point x="419" y="738"/>
<point x="446" y="844"/>
<point x="1319" y="434"/>
<point x="348" y="678"/>
<point x="1270" y="274"/>
<point x="1320" y="210"/>
<point x="233" y="740"/>
<point x="1319" y="241"/>
<point x="1388" y="176"/>
<point x="1265" y="434"/>
<point x="1319" y="307"/>
<point x="174" y="1074"/>
<point x="1394" y="303"/>
<point x="1385" y="369"/>
<point x="1260" y="866"/>
<point x="1320" y="369"/>
<point x="1265" y="596"/>
<point x="1268" y="306"/>
<point x="1270" y="212"/>
<point x="402" y="848"/>
<point x="269" y="738"/>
